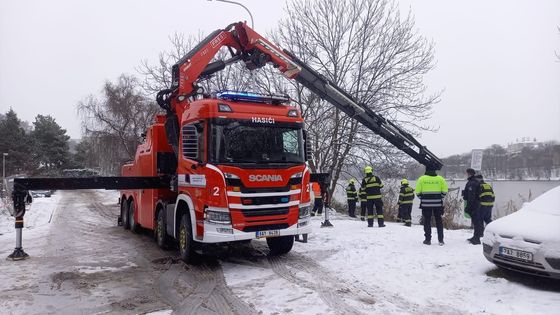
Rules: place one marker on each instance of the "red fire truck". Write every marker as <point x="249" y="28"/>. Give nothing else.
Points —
<point x="240" y="175"/>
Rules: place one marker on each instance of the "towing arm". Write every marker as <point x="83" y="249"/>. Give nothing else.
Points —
<point x="248" y="46"/>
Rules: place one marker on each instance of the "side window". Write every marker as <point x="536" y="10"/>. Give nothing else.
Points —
<point x="193" y="141"/>
<point x="290" y="141"/>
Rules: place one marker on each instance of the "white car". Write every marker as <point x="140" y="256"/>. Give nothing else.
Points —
<point x="528" y="240"/>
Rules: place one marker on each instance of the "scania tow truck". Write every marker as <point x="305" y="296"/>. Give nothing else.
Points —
<point x="229" y="166"/>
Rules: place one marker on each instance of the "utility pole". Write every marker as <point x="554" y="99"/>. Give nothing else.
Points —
<point x="241" y="5"/>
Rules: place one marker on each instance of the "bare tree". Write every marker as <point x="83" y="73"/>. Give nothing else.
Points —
<point x="115" y="121"/>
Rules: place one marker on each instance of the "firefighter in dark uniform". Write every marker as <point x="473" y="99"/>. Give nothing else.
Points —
<point x="482" y="215"/>
<point x="431" y="189"/>
<point x="470" y="198"/>
<point x="373" y="187"/>
<point x="363" y="203"/>
<point x="351" y="198"/>
<point x="406" y="197"/>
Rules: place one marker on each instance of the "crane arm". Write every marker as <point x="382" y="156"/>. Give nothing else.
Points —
<point x="255" y="51"/>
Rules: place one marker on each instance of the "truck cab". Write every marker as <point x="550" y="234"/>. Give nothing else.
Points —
<point x="241" y="173"/>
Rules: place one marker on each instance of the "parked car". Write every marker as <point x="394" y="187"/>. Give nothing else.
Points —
<point x="528" y="240"/>
<point x="41" y="193"/>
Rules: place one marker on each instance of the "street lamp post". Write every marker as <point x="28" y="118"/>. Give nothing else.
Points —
<point x="4" y="155"/>
<point x="241" y="5"/>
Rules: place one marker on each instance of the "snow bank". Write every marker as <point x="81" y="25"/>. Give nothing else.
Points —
<point x="39" y="213"/>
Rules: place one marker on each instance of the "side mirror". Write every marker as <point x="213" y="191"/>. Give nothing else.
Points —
<point x="190" y="142"/>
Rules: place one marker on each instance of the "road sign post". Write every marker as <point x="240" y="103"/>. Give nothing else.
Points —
<point x="476" y="159"/>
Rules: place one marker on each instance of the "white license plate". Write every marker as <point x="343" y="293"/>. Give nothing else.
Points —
<point x="518" y="254"/>
<point x="261" y="234"/>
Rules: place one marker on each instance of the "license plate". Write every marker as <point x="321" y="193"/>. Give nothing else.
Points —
<point x="261" y="234"/>
<point x="518" y="254"/>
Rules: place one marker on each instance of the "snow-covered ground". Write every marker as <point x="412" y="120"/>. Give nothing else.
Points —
<point x="390" y="271"/>
<point x="347" y="269"/>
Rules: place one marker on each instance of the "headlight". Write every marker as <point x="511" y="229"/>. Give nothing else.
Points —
<point x="217" y="217"/>
<point x="304" y="212"/>
<point x="231" y="176"/>
<point x="297" y="175"/>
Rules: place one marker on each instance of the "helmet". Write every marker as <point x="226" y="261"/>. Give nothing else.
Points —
<point x="404" y="182"/>
<point x="351" y="181"/>
<point x="368" y="169"/>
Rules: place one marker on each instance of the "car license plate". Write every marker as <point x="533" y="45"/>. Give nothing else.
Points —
<point x="518" y="254"/>
<point x="261" y="234"/>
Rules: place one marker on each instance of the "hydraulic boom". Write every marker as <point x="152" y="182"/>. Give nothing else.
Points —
<point x="248" y="46"/>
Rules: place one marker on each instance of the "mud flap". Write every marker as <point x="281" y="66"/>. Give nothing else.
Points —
<point x="303" y="238"/>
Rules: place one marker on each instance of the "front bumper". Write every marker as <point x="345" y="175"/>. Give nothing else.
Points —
<point x="220" y="233"/>
<point x="540" y="266"/>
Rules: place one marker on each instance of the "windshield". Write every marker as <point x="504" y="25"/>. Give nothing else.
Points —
<point x="245" y="142"/>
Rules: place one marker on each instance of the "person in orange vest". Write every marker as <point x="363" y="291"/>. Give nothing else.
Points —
<point x="318" y="205"/>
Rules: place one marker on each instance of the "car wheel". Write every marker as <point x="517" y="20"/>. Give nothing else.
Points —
<point x="280" y="245"/>
<point x="161" y="231"/>
<point x="186" y="243"/>
<point x="124" y="215"/>
<point x="134" y="227"/>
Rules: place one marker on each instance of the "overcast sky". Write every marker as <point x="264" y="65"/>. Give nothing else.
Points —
<point x="496" y="60"/>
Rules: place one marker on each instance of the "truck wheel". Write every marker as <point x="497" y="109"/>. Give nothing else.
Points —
<point x="186" y="243"/>
<point x="132" y="223"/>
<point x="124" y="215"/>
<point x="161" y="233"/>
<point x="280" y="245"/>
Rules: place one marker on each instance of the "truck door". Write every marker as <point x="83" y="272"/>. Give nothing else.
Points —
<point x="193" y="180"/>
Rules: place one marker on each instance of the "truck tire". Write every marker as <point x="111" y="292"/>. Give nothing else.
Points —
<point x="160" y="232"/>
<point x="280" y="245"/>
<point x="186" y="243"/>
<point x="134" y="227"/>
<point x="124" y="215"/>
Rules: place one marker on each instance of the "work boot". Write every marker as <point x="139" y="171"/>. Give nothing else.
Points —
<point x="427" y="242"/>
<point x="475" y="241"/>
<point x="441" y="243"/>
<point x="362" y="218"/>
<point x="381" y="222"/>
<point x="370" y="222"/>
<point x="408" y="224"/>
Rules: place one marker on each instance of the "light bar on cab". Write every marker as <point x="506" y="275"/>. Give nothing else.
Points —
<point x="252" y="97"/>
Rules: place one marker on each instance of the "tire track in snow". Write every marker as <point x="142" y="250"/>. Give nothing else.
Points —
<point x="209" y="295"/>
<point x="327" y="292"/>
